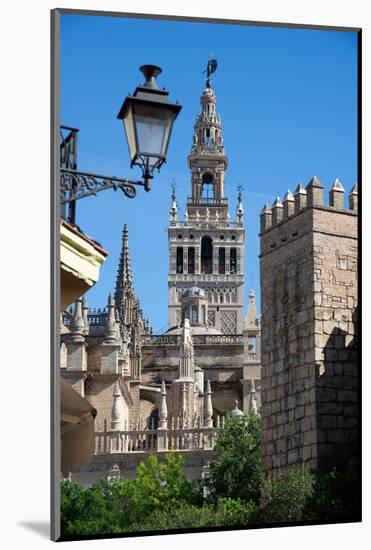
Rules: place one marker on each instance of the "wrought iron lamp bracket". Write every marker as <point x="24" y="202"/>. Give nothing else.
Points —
<point x="76" y="185"/>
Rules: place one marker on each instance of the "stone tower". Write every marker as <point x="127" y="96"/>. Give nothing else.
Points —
<point x="308" y="267"/>
<point x="206" y="248"/>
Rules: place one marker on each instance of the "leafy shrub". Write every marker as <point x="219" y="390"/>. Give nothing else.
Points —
<point x="113" y="507"/>
<point x="286" y="499"/>
<point x="236" y="512"/>
<point x="187" y="516"/>
<point x="86" y="511"/>
<point x="235" y="472"/>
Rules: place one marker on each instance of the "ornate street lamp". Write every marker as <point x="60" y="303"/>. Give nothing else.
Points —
<point x="148" y="118"/>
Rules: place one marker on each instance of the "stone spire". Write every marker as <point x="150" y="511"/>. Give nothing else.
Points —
<point x="208" y="406"/>
<point x="124" y="279"/>
<point x="251" y="315"/>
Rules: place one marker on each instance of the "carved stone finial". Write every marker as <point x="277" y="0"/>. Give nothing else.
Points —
<point x="116" y="413"/>
<point x="265" y="218"/>
<point x="85" y="310"/>
<point x="300" y="198"/>
<point x="111" y="328"/>
<point x="314" y="192"/>
<point x="78" y="325"/>
<point x="288" y="204"/>
<point x="336" y="194"/>
<point x="208" y="406"/>
<point x="353" y="198"/>
<point x="163" y="408"/>
<point x="277" y="211"/>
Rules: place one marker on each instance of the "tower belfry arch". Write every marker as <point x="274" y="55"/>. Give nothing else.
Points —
<point x="206" y="249"/>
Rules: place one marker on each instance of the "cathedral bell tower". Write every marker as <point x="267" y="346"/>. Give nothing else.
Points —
<point x="206" y="249"/>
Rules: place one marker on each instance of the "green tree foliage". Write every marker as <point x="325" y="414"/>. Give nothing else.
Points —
<point x="86" y="511"/>
<point x="113" y="507"/>
<point x="188" y="516"/>
<point x="287" y="499"/>
<point x="160" y="497"/>
<point x="235" y="472"/>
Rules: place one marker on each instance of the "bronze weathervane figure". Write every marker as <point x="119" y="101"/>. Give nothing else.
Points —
<point x="211" y="68"/>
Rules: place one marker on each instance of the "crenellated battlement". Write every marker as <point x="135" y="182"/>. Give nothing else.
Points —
<point x="305" y="198"/>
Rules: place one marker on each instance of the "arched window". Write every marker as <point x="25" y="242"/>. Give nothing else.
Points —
<point x="153" y="420"/>
<point x="194" y="315"/>
<point x="207" y="191"/>
<point x="233" y="261"/>
<point x="206" y="255"/>
<point x="222" y="260"/>
<point x="179" y="259"/>
<point x="191" y="259"/>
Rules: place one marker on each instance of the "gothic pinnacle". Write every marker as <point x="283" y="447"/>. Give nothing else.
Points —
<point x="85" y="315"/>
<point x="163" y="408"/>
<point x="111" y="332"/>
<point x="208" y="406"/>
<point x="124" y="283"/>
<point x="78" y="325"/>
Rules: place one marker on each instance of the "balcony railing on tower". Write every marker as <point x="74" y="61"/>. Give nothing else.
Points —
<point x="207" y="201"/>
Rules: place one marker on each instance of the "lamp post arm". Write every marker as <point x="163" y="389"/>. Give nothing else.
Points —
<point x="76" y="185"/>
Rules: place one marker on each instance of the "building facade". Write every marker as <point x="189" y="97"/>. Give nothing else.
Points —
<point x="170" y="391"/>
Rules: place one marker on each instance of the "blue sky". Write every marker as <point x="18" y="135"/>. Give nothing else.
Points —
<point x="288" y="103"/>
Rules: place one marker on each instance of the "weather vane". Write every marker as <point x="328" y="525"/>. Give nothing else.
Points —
<point x="239" y="189"/>
<point x="210" y="68"/>
<point x="173" y="187"/>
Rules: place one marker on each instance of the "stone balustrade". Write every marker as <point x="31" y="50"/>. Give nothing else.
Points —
<point x="180" y="436"/>
<point x="198" y="339"/>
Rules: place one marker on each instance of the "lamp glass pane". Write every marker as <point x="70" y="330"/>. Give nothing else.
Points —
<point x="130" y="132"/>
<point x="153" y="126"/>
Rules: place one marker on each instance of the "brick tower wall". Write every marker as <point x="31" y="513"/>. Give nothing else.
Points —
<point x="309" y="361"/>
